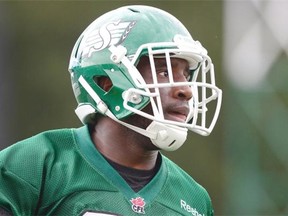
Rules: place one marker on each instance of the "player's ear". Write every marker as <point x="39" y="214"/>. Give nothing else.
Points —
<point x="104" y="82"/>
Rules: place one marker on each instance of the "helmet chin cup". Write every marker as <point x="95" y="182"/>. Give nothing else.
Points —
<point x="169" y="137"/>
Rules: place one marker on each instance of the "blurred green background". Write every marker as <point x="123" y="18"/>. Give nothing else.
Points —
<point x="243" y="163"/>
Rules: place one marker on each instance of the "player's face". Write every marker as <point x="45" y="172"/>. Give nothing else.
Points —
<point x="174" y="99"/>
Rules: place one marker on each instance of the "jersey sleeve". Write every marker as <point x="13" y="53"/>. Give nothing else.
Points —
<point x="19" y="179"/>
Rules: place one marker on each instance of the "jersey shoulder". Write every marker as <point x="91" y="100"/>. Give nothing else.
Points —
<point x="25" y="167"/>
<point x="27" y="158"/>
<point x="37" y="146"/>
<point x="176" y="173"/>
<point x="184" y="192"/>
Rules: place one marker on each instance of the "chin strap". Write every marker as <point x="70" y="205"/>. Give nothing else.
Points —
<point x="168" y="138"/>
<point x="165" y="137"/>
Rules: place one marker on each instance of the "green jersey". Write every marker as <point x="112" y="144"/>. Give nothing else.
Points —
<point x="60" y="172"/>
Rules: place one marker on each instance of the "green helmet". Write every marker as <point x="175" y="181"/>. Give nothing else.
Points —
<point x="111" y="47"/>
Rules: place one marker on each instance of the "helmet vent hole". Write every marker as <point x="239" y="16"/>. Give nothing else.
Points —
<point x="133" y="10"/>
<point x="103" y="82"/>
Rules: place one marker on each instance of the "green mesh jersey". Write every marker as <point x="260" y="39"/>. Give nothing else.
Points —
<point x="60" y="172"/>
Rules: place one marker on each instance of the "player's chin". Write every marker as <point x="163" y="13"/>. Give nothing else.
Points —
<point x="138" y="121"/>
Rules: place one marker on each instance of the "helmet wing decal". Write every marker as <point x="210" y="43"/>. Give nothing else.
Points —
<point x="112" y="33"/>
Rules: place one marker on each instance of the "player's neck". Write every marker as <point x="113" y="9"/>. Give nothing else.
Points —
<point x="123" y="145"/>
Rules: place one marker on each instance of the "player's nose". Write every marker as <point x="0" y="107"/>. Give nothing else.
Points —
<point x="182" y="92"/>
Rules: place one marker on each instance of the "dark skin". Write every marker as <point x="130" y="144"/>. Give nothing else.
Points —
<point x="129" y="148"/>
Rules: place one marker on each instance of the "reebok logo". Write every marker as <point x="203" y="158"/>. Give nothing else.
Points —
<point x="188" y="208"/>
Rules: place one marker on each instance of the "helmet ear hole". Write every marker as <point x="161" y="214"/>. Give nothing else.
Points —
<point x="103" y="82"/>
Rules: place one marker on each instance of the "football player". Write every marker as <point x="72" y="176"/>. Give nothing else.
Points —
<point x="141" y="82"/>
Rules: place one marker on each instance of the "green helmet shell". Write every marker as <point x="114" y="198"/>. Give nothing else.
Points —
<point x="112" y="46"/>
<point x="131" y="27"/>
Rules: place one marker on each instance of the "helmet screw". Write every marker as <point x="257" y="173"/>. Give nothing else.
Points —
<point x="135" y="98"/>
<point x="114" y="57"/>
